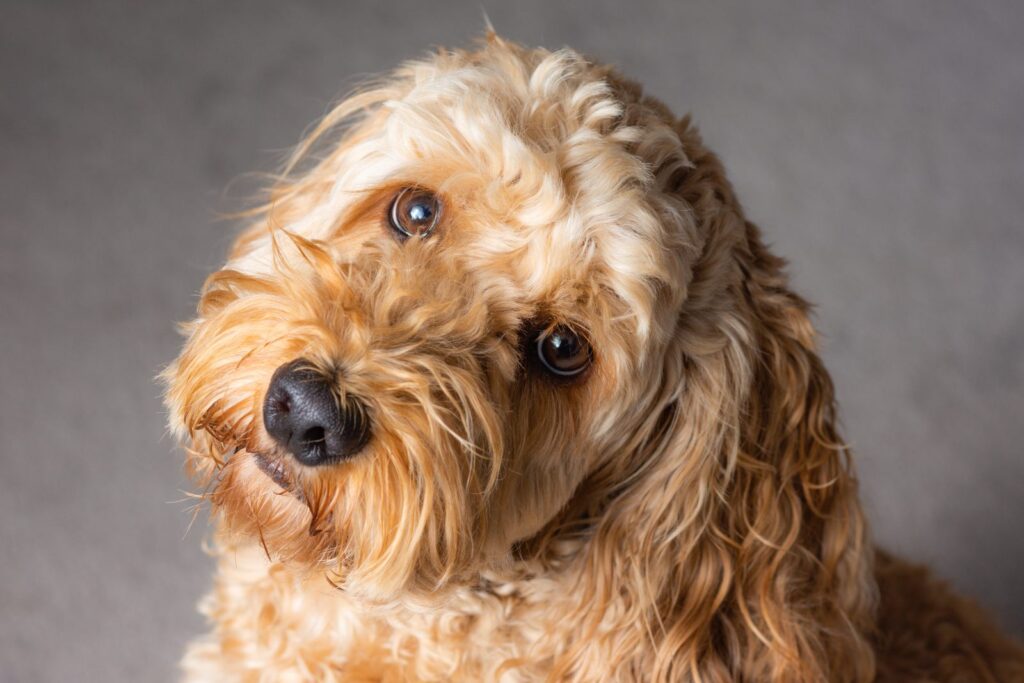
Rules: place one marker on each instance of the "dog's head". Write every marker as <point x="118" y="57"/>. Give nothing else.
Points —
<point x="504" y="300"/>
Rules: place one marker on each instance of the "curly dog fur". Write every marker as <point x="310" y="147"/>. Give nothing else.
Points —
<point x="682" y="510"/>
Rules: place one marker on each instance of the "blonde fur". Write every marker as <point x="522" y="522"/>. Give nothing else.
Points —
<point x="685" y="512"/>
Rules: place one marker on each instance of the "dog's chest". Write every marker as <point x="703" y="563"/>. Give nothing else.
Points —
<point x="292" y="624"/>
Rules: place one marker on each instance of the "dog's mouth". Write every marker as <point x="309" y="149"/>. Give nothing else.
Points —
<point x="277" y="471"/>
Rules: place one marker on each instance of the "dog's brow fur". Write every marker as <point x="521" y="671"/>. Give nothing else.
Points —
<point x="685" y="510"/>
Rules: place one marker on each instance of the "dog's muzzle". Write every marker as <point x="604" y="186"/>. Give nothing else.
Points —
<point x="304" y="415"/>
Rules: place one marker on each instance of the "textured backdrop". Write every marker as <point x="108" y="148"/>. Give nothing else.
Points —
<point x="881" y="148"/>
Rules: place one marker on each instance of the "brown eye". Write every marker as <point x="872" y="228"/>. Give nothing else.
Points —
<point x="414" y="213"/>
<point x="562" y="352"/>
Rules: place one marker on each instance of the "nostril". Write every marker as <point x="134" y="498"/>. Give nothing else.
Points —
<point x="313" y="435"/>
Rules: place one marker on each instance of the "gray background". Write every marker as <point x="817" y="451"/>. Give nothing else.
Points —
<point x="880" y="146"/>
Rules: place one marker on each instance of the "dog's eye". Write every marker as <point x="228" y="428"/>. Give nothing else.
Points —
<point x="562" y="352"/>
<point x="414" y="212"/>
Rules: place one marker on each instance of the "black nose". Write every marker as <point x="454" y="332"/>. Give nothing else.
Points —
<point x="302" y="414"/>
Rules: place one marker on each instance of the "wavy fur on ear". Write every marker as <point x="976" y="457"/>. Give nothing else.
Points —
<point x="738" y="546"/>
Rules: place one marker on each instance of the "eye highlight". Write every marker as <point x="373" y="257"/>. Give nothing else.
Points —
<point x="414" y="212"/>
<point x="562" y="352"/>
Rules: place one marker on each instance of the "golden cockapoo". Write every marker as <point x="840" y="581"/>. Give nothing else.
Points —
<point x="500" y="384"/>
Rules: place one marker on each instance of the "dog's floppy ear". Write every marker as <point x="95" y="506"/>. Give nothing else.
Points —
<point x="738" y="545"/>
<point x="803" y="564"/>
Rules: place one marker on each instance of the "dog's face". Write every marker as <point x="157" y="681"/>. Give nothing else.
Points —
<point x="434" y="335"/>
<point x="515" y="302"/>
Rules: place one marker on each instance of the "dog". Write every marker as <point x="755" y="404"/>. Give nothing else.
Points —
<point x="499" y="383"/>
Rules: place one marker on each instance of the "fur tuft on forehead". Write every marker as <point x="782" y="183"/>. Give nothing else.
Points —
<point x="551" y="163"/>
